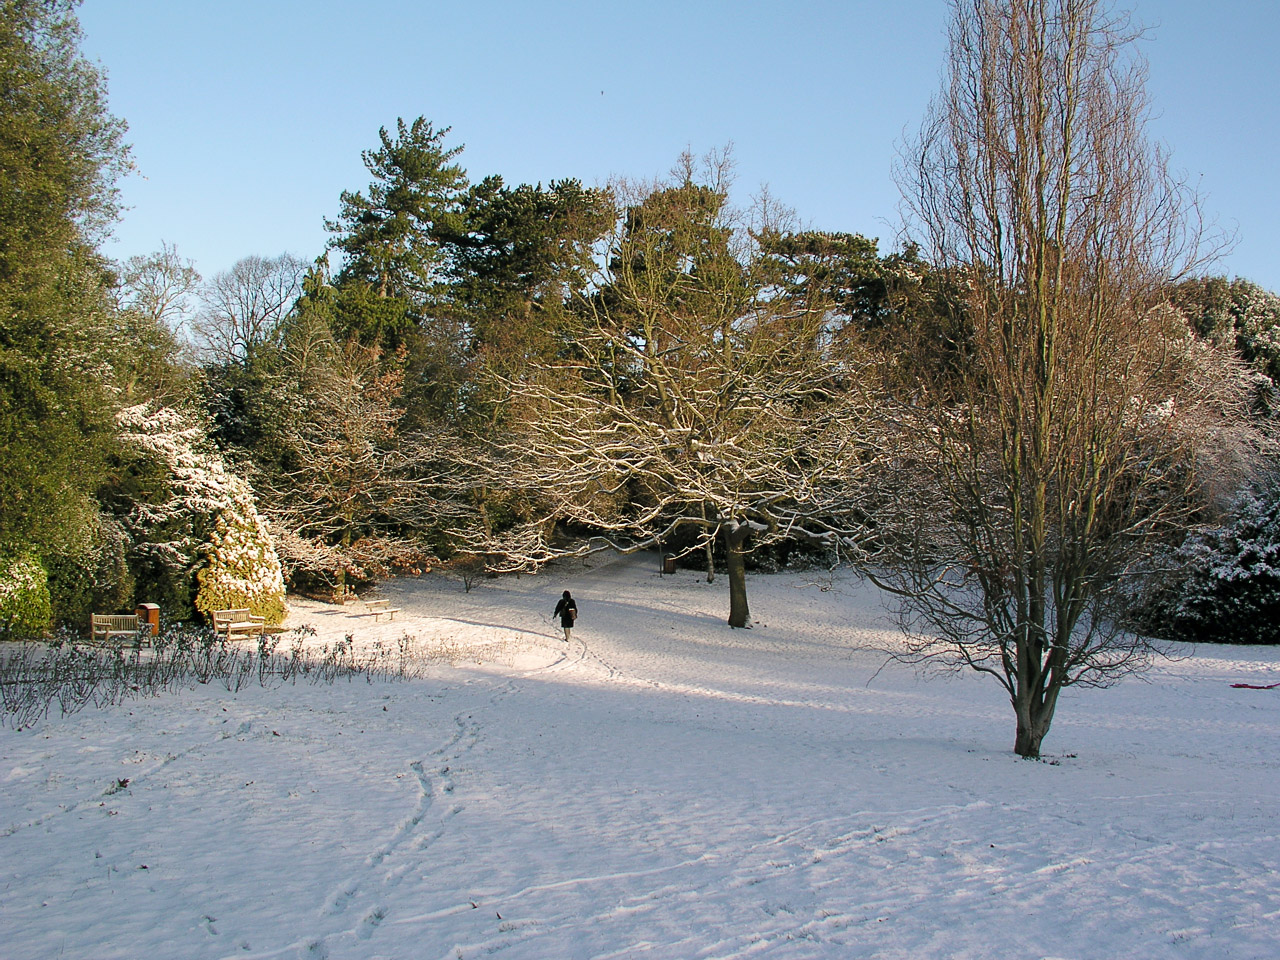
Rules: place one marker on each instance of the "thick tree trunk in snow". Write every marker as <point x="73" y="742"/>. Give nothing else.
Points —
<point x="735" y="535"/>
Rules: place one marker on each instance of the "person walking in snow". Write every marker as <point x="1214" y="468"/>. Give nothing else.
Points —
<point x="567" y="611"/>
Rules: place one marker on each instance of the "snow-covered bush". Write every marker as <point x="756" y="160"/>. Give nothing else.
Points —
<point x="1230" y="592"/>
<point x="243" y="569"/>
<point x="24" y="598"/>
<point x="1258" y="326"/>
<point x="189" y="514"/>
<point x="1236" y="313"/>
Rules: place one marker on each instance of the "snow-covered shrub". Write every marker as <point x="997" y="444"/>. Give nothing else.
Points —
<point x="24" y="598"/>
<point x="1237" y="313"/>
<point x="189" y="514"/>
<point x="1258" y="326"/>
<point x="243" y="570"/>
<point x="1231" y="589"/>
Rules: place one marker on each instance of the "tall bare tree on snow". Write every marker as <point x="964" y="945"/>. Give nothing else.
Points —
<point x="1039" y="476"/>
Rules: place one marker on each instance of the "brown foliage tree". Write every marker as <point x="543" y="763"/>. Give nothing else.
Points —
<point x="694" y="395"/>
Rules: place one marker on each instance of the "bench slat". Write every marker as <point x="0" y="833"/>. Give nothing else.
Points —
<point x="376" y="608"/>
<point x="237" y="621"/>
<point x="106" y="627"/>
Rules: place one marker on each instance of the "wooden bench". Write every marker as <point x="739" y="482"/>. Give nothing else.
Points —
<point x="376" y="608"/>
<point x="240" y="622"/>
<point x="106" y="627"/>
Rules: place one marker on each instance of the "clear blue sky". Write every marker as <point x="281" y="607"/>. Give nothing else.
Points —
<point x="247" y="119"/>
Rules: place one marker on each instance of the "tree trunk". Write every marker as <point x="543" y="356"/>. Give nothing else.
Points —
<point x="482" y="507"/>
<point x="735" y="535"/>
<point x="1034" y="718"/>
<point x="710" y="548"/>
<point x="340" y="587"/>
<point x="1026" y="743"/>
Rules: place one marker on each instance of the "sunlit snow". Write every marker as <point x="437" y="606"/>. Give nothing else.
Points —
<point x="662" y="787"/>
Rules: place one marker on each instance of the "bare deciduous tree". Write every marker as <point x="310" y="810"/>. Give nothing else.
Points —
<point x="160" y="287"/>
<point x="154" y="300"/>
<point x="1037" y="478"/>
<point x="243" y="307"/>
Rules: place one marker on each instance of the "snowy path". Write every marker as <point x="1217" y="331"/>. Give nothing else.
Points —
<point x="663" y="787"/>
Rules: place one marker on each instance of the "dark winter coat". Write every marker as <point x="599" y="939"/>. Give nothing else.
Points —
<point x="566" y="610"/>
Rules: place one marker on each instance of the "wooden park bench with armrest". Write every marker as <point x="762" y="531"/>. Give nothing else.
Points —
<point x="376" y="608"/>
<point x="239" y="622"/>
<point x="106" y="627"/>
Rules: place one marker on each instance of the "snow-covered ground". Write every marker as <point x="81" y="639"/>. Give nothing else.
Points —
<point x="663" y="787"/>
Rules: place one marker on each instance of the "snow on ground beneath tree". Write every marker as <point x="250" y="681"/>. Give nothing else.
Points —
<point x="662" y="787"/>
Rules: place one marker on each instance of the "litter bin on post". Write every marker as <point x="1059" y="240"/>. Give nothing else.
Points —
<point x="149" y="613"/>
<point x="668" y="564"/>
